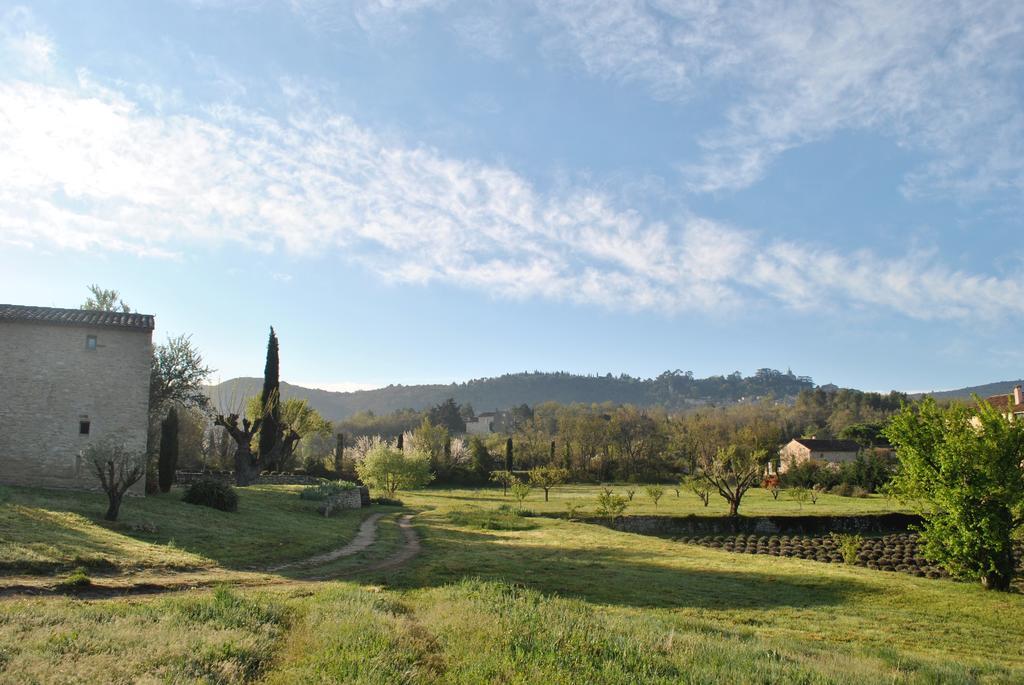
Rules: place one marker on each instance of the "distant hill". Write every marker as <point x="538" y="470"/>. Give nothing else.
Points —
<point x="673" y="389"/>
<point x="987" y="390"/>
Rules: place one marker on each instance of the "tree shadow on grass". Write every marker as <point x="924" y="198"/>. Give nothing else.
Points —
<point x="606" y="574"/>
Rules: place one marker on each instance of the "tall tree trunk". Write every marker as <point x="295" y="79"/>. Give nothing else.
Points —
<point x="247" y="470"/>
<point x="1002" y="576"/>
<point x="734" y="507"/>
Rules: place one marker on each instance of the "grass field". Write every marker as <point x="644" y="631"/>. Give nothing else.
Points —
<point x="756" y="502"/>
<point x="495" y="597"/>
<point x="44" y="530"/>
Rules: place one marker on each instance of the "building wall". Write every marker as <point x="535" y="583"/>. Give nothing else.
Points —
<point x="50" y="381"/>
<point x="482" y="426"/>
<point x="798" y="454"/>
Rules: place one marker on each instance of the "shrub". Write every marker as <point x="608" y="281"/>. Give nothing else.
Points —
<point x="76" y="580"/>
<point x="212" y="493"/>
<point x="387" y="501"/>
<point x="849" y="545"/>
<point x="655" y="492"/>
<point x="572" y="511"/>
<point x="842" y="489"/>
<point x="858" y="492"/>
<point x="610" y="505"/>
<point x="325" y="489"/>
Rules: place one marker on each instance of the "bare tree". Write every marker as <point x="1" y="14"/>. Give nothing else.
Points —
<point x="248" y="465"/>
<point x="118" y="468"/>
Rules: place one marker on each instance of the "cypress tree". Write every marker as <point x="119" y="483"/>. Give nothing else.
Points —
<point x="167" y="461"/>
<point x="508" y="455"/>
<point x="270" y="399"/>
<point x="551" y="456"/>
<point x="401" y="441"/>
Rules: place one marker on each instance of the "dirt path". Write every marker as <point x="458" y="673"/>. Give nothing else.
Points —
<point x="364" y="538"/>
<point x="409" y="549"/>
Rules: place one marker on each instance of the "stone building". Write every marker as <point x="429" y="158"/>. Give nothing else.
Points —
<point x="801" y="450"/>
<point x="69" y="377"/>
<point x="1011" y="404"/>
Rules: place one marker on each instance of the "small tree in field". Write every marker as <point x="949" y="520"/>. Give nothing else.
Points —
<point x="506" y="478"/>
<point x="167" y="461"/>
<point x="118" y="468"/>
<point x="961" y="471"/>
<point x="732" y="471"/>
<point x="799" y="495"/>
<point x="697" y="486"/>
<point x="388" y="469"/>
<point x="520" y="490"/>
<point x="655" y="492"/>
<point x="547" y="477"/>
<point x="610" y="505"/>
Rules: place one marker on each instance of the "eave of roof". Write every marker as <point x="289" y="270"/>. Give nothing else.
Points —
<point x="76" y="317"/>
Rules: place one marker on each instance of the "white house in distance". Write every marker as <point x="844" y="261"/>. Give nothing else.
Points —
<point x="482" y="424"/>
<point x="831" y="452"/>
<point x="69" y="377"/>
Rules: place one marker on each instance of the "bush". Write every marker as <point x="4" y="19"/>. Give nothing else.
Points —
<point x="212" y="493"/>
<point x="387" y="501"/>
<point x="76" y="580"/>
<point x="849" y="545"/>
<point x="325" y="489"/>
<point x="842" y="489"/>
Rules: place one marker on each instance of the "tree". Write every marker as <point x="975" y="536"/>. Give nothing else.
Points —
<point x="388" y="469"/>
<point x="547" y="477"/>
<point x="962" y="472"/>
<point x="508" y="455"/>
<point x="247" y="464"/>
<point x="118" y="468"/>
<point x="431" y="440"/>
<point x="105" y="301"/>
<point x="520" y="490"/>
<point x="480" y="458"/>
<point x="176" y="376"/>
<point x="732" y="472"/>
<point x="506" y="478"/>
<point x="449" y="415"/>
<point x="697" y="486"/>
<point x="297" y="418"/>
<point x="610" y="505"/>
<point x="799" y="495"/>
<point x="655" y="492"/>
<point x="168" y="460"/>
<point x="270" y="397"/>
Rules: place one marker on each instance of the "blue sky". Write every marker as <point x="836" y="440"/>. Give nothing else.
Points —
<point x="434" y="190"/>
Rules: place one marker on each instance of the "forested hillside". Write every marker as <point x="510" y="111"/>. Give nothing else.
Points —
<point x="671" y="389"/>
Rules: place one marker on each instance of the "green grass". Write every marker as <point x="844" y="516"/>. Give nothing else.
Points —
<point x="489" y="600"/>
<point x="756" y="502"/>
<point x="47" y="530"/>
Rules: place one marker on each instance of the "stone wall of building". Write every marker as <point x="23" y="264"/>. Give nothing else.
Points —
<point x="50" y="382"/>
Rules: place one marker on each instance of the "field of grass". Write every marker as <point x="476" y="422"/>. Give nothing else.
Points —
<point x="46" y="530"/>
<point x="756" y="502"/>
<point x="495" y="597"/>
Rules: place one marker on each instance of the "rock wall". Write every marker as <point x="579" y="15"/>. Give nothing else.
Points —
<point x="674" y="526"/>
<point x="228" y="477"/>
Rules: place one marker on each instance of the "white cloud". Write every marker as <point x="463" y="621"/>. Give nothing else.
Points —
<point x="24" y="47"/>
<point x="87" y="168"/>
<point x="942" y="78"/>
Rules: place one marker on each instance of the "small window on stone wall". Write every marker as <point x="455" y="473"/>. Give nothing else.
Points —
<point x="83" y="427"/>
<point x="90" y="342"/>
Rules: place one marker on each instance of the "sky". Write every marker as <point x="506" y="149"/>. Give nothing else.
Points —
<point x="434" y="190"/>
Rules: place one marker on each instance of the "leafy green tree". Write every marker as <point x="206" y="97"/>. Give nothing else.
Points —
<point x="732" y="472"/>
<point x="449" y="415"/>
<point x="102" y="300"/>
<point x="655" y="492"/>
<point x="506" y="478"/>
<point x="270" y="397"/>
<point x="168" y="459"/>
<point x="432" y="440"/>
<point x="388" y="469"/>
<point x="480" y="458"/>
<point x="547" y="477"/>
<point x="520" y="491"/>
<point x="697" y="486"/>
<point x="961" y="471"/>
<point x="610" y="505"/>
